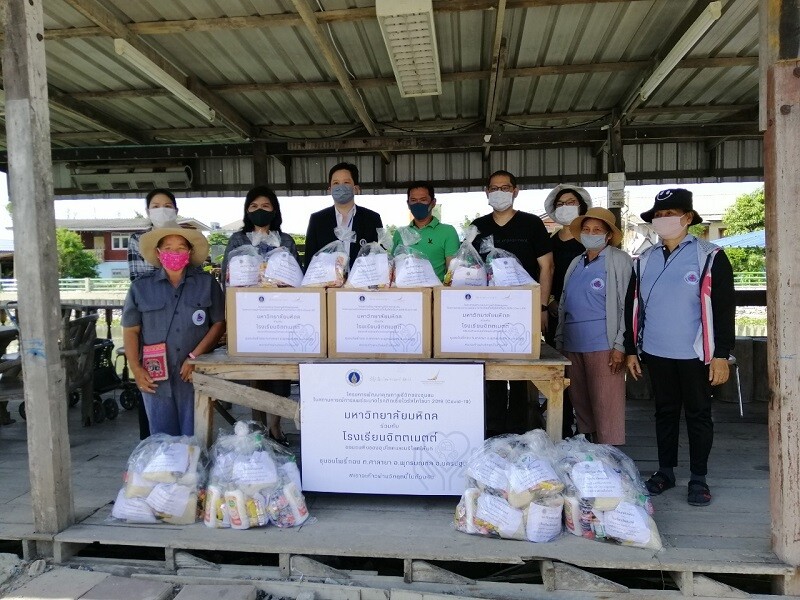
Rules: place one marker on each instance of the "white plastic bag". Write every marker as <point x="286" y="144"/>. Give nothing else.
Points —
<point x="502" y="267"/>
<point x="280" y="269"/>
<point x="466" y="269"/>
<point x="372" y="268"/>
<point x="329" y="266"/>
<point x="411" y="267"/>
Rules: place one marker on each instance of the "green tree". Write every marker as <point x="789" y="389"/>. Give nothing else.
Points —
<point x="218" y="238"/>
<point x="73" y="260"/>
<point x="745" y="214"/>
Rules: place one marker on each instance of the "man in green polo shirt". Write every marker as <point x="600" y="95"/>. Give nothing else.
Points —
<point x="439" y="241"/>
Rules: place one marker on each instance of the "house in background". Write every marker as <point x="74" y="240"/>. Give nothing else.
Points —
<point x="108" y="239"/>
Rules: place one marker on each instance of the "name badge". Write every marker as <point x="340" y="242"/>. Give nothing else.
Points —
<point x="199" y="317"/>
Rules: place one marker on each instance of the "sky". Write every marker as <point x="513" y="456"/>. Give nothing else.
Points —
<point x="455" y="207"/>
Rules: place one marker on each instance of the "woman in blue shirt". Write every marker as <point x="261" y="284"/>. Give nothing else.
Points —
<point x="591" y="327"/>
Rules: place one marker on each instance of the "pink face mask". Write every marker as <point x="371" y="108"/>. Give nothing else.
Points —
<point x="668" y="228"/>
<point x="173" y="261"/>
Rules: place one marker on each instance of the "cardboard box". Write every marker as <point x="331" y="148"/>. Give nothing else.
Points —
<point x="277" y="322"/>
<point x="487" y="322"/>
<point x="388" y="323"/>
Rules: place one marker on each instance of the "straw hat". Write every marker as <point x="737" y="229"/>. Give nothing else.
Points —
<point x="149" y="241"/>
<point x="603" y="214"/>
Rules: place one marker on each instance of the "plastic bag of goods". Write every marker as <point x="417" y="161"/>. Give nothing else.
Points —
<point x="411" y="267"/>
<point x="466" y="269"/>
<point x="162" y="482"/>
<point x="372" y="268"/>
<point x="605" y="498"/>
<point x="502" y="267"/>
<point x="243" y="266"/>
<point x="513" y="490"/>
<point x="253" y="482"/>
<point x="329" y="266"/>
<point x="280" y="269"/>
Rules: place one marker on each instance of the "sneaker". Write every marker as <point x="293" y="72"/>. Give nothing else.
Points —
<point x="699" y="494"/>
<point x="658" y="483"/>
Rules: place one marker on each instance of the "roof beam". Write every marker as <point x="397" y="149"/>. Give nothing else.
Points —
<point x="325" y="45"/>
<point x="95" y="12"/>
<point x="293" y="20"/>
<point x="571" y="69"/>
<point x="64" y="103"/>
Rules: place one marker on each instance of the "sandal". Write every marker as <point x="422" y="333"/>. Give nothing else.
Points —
<point x="699" y="494"/>
<point x="282" y="440"/>
<point x="658" y="483"/>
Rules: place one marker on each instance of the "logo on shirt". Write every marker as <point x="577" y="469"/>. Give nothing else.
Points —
<point x="430" y="240"/>
<point x="692" y="278"/>
<point x="199" y="317"/>
<point x="354" y="377"/>
<point x="597" y="284"/>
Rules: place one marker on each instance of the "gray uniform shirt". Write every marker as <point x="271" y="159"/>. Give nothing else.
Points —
<point x="197" y="303"/>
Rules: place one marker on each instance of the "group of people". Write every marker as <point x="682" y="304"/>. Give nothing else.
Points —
<point x="671" y="308"/>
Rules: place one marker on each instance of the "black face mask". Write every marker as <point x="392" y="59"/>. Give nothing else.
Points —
<point x="261" y="217"/>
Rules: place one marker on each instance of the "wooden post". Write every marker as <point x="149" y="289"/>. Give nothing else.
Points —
<point x="782" y="178"/>
<point x="31" y="192"/>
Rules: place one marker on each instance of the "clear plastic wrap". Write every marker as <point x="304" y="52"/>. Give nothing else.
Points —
<point x="605" y="498"/>
<point x="466" y="269"/>
<point x="513" y="490"/>
<point x="373" y="267"/>
<point x="280" y="269"/>
<point x="502" y="267"/>
<point x="162" y="483"/>
<point x="246" y="263"/>
<point x="329" y="266"/>
<point x="411" y="267"/>
<point x="253" y="482"/>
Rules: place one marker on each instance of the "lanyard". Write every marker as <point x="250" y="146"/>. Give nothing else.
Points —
<point x="177" y="304"/>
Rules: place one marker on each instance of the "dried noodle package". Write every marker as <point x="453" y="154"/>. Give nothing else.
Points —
<point x="162" y="481"/>
<point x="466" y="269"/>
<point x="502" y="267"/>
<point x="605" y="498"/>
<point x="411" y="267"/>
<point x="329" y="266"/>
<point x="253" y="482"/>
<point x="513" y="490"/>
<point x="372" y="268"/>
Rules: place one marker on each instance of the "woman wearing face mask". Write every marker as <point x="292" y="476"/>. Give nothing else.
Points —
<point x="161" y="209"/>
<point x="170" y="317"/>
<point x="680" y="313"/>
<point x="591" y="327"/>
<point x="262" y="214"/>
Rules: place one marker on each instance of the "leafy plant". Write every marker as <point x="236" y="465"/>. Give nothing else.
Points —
<point x="744" y="215"/>
<point x="73" y="259"/>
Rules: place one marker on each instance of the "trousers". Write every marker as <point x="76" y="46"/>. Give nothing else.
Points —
<point x="682" y="385"/>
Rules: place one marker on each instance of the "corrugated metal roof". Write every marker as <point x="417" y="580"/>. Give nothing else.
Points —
<point x="568" y="66"/>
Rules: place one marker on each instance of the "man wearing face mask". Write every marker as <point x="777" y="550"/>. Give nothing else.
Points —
<point x="525" y="236"/>
<point x="161" y="209"/>
<point x="438" y="241"/>
<point x="680" y="320"/>
<point x="342" y="186"/>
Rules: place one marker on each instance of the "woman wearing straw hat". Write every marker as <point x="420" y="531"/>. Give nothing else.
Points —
<point x="591" y="327"/>
<point x="170" y="317"/>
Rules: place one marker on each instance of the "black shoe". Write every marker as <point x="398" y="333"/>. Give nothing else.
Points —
<point x="699" y="494"/>
<point x="282" y="440"/>
<point x="658" y="483"/>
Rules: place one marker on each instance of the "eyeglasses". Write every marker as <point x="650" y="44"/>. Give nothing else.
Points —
<point x="502" y="188"/>
<point x="567" y="203"/>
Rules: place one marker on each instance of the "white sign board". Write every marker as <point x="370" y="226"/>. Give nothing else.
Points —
<point x="486" y="320"/>
<point x="389" y="428"/>
<point x="379" y="323"/>
<point x="278" y="322"/>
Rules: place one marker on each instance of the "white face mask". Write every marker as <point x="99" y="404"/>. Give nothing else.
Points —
<point x="501" y="200"/>
<point x="668" y="228"/>
<point x="161" y="216"/>
<point x="564" y="215"/>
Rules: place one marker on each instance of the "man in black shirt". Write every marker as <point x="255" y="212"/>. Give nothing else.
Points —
<point x="525" y="236"/>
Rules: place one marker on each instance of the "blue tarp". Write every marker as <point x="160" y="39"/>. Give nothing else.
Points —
<point x="752" y="239"/>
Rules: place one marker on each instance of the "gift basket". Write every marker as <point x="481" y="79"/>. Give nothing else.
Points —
<point x="605" y="498"/>
<point x="372" y="268"/>
<point x="329" y="266"/>
<point x="502" y="267"/>
<point x="253" y="482"/>
<point x="466" y="269"/>
<point x="162" y="482"/>
<point x="513" y="490"/>
<point x="411" y="267"/>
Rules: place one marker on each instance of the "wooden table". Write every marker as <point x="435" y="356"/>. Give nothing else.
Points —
<point x="213" y="372"/>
